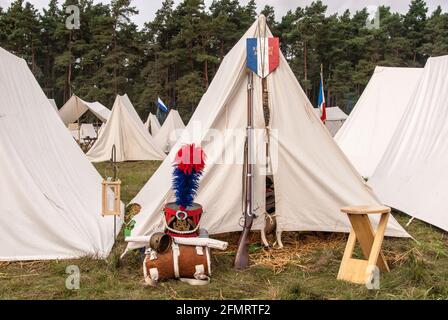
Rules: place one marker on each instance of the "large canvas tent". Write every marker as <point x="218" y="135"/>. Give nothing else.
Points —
<point x="50" y="194"/>
<point x="313" y="178"/>
<point x="170" y="131"/>
<point x="75" y="107"/>
<point x="412" y="176"/>
<point x="366" y="134"/>
<point x="335" y="119"/>
<point x="126" y="131"/>
<point x="54" y="105"/>
<point x="152" y="124"/>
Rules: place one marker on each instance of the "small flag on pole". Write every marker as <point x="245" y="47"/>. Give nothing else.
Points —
<point x="161" y="105"/>
<point x="321" y="103"/>
<point x="263" y="55"/>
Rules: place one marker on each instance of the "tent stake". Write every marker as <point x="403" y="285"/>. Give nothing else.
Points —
<point x="113" y="159"/>
<point x="410" y="221"/>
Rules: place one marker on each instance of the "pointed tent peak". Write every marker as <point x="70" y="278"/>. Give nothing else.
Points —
<point x="126" y="131"/>
<point x="170" y="131"/>
<point x="124" y="101"/>
<point x="260" y="27"/>
<point x="123" y="97"/>
<point x="175" y="117"/>
<point x="75" y="107"/>
<point x="175" y="113"/>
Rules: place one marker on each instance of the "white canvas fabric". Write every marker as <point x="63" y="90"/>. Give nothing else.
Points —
<point x="85" y="130"/>
<point x="53" y="104"/>
<point x="126" y="131"/>
<point x="170" y="131"/>
<point x="335" y="119"/>
<point x="313" y="178"/>
<point x="50" y="194"/>
<point x="75" y="107"/>
<point x="152" y="124"/>
<point x="76" y="134"/>
<point x="366" y="134"/>
<point x="412" y="176"/>
<point x="88" y="130"/>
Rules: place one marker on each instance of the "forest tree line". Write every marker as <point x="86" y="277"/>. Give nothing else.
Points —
<point x="176" y="55"/>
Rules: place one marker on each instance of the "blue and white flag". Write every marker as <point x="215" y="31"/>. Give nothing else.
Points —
<point x="161" y="105"/>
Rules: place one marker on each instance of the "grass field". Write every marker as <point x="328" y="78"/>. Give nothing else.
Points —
<point x="306" y="269"/>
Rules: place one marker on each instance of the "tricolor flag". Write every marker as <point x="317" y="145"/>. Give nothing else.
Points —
<point x="161" y="105"/>
<point x="262" y="55"/>
<point x="321" y="104"/>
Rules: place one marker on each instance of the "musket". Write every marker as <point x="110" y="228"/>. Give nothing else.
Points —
<point x="242" y="254"/>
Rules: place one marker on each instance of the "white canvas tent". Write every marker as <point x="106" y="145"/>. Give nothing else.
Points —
<point x="367" y="132"/>
<point x="50" y="194"/>
<point x="126" y="131"/>
<point x="412" y="176"/>
<point x="53" y="104"/>
<point x="152" y="124"/>
<point x="335" y="119"/>
<point x="170" y="132"/>
<point x="75" y="107"/>
<point x="313" y="178"/>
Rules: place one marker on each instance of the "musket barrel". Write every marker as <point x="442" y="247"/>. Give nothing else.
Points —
<point x="242" y="255"/>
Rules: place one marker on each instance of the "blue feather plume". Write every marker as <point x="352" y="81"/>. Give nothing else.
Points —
<point x="185" y="186"/>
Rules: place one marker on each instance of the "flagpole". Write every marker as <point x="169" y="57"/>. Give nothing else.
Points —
<point x="322" y="92"/>
<point x="322" y="74"/>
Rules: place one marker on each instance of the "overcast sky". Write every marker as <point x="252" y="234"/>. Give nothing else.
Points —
<point x="147" y="8"/>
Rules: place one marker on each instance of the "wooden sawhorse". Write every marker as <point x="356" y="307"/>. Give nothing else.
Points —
<point x="357" y="270"/>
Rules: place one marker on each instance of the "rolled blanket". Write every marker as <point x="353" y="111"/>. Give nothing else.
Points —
<point x="203" y="242"/>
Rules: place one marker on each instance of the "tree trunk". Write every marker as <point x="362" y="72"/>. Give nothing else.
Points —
<point x="116" y="62"/>
<point x="206" y="74"/>
<point x="33" y="58"/>
<point x="68" y="87"/>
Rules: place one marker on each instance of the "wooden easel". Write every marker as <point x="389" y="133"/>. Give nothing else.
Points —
<point x="358" y="270"/>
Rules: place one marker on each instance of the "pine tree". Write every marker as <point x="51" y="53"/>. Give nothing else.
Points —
<point x="50" y="48"/>
<point x="176" y="55"/>
<point x="415" y="24"/>
<point x="436" y="34"/>
<point x="119" y="56"/>
<point x="21" y="32"/>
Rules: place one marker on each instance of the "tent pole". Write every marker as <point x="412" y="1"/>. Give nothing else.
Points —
<point x="242" y="255"/>
<point x="113" y="159"/>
